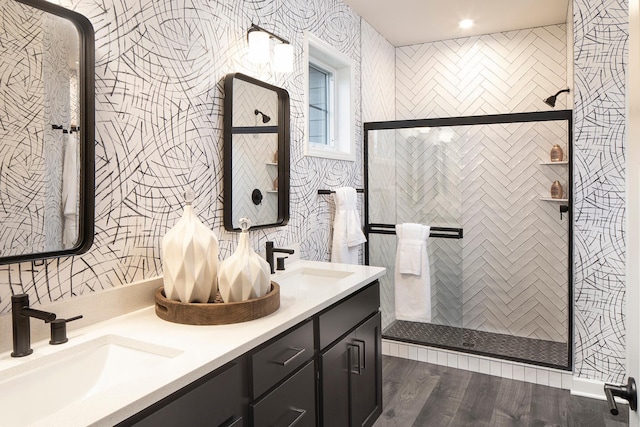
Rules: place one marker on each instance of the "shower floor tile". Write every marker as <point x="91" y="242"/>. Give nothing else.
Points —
<point x="546" y="353"/>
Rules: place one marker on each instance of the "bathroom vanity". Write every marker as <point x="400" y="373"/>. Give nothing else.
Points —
<point x="315" y="361"/>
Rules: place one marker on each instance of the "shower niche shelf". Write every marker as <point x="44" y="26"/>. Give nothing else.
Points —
<point x="563" y="162"/>
<point x="550" y="199"/>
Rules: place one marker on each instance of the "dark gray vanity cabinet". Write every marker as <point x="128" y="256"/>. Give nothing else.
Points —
<point x="351" y="371"/>
<point x="325" y="371"/>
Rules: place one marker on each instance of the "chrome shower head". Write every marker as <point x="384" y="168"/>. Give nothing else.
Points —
<point x="551" y="101"/>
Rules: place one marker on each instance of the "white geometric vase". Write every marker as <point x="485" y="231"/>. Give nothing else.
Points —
<point x="190" y="259"/>
<point x="244" y="275"/>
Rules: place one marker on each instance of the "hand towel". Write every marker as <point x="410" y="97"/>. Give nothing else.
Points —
<point x="409" y="252"/>
<point x="347" y="231"/>
<point x="413" y="289"/>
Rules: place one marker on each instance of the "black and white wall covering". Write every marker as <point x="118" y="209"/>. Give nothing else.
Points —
<point x="159" y="71"/>
<point x="600" y="57"/>
<point x="36" y="51"/>
<point x="159" y="67"/>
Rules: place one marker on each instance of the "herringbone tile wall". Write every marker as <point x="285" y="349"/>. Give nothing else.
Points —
<point x="496" y="73"/>
<point x="508" y="274"/>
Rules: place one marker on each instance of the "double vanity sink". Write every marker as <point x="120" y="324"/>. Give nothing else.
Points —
<point x="112" y="370"/>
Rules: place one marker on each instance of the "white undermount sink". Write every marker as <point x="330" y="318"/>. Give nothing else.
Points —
<point x="42" y="386"/>
<point x="313" y="275"/>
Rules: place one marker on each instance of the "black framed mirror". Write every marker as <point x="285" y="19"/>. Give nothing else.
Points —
<point x="47" y="134"/>
<point x="256" y="153"/>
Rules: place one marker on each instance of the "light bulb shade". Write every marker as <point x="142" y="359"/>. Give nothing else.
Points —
<point x="258" y="47"/>
<point x="283" y="58"/>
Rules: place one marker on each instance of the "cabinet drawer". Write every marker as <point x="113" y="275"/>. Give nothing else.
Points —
<point x="214" y="400"/>
<point x="280" y="358"/>
<point x="292" y="403"/>
<point x="345" y="315"/>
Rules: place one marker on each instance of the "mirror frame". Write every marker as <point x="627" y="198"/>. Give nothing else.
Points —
<point x="86" y="98"/>
<point x="283" y="150"/>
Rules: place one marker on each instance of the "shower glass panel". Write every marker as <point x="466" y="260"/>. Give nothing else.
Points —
<point x="503" y="288"/>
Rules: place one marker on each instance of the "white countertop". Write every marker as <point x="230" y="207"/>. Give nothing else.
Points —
<point x="203" y="348"/>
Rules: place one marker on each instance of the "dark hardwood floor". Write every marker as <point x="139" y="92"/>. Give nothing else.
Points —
<point x="422" y="394"/>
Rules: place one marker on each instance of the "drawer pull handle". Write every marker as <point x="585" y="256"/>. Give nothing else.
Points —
<point x="298" y="352"/>
<point x="358" y="367"/>
<point x="361" y="353"/>
<point x="292" y="412"/>
<point x="231" y="422"/>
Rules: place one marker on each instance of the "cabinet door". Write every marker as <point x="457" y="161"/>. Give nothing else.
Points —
<point x="366" y="378"/>
<point x="335" y="364"/>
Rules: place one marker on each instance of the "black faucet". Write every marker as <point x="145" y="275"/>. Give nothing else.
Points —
<point x="271" y="250"/>
<point x="20" y="316"/>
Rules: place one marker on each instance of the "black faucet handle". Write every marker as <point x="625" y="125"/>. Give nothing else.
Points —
<point x="280" y="262"/>
<point x="59" y="330"/>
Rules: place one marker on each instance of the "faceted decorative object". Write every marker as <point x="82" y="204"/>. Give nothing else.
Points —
<point x="244" y="275"/>
<point x="275" y="184"/>
<point x="190" y="259"/>
<point x="556" y="190"/>
<point x="275" y="157"/>
<point x="556" y="153"/>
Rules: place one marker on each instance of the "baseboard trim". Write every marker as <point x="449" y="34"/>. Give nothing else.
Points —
<point x="588" y="388"/>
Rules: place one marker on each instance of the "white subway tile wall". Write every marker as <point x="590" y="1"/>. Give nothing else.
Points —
<point x="485" y="365"/>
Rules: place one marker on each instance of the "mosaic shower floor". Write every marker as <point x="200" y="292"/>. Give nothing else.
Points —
<point x="540" y="352"/>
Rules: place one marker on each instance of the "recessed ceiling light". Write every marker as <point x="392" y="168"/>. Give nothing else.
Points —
<point x="466" y="23"/>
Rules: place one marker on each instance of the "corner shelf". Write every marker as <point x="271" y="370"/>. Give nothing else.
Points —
<point x="271" y="164"/>
<point x="549" y="199"/>
<point x="272" y="191"/>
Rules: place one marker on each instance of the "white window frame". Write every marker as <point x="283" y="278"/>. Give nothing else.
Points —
<point x="343" y="122"/>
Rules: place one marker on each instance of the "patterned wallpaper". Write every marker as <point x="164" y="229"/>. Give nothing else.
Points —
<point x="600" y="58"/>
<point x="159" y="67"/>
<point x="159" y="71"/>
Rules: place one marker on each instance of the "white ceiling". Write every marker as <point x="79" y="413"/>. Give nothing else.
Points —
<point x="406" y="22"/>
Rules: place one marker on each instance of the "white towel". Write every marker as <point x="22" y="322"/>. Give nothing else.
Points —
<point x="70" y="191"/>
<point x="347" y="231"/>
<point x="412" y="276"/>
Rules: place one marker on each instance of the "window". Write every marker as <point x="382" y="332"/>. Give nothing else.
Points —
<point x="330" y="115"/>
<point x="321" y="106"/>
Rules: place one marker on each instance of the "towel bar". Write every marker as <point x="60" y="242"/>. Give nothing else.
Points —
<point x="358" y="190"/>
<point x="441" y="232"/>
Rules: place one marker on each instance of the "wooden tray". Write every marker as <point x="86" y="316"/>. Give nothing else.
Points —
<point x="217" y="313"/>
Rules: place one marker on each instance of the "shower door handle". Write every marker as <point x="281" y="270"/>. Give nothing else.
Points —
<point x="627" y="392"/>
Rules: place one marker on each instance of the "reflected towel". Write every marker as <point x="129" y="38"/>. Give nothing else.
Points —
<point x="70" y="191"/>
<point x="347" y="231"/>
<point x="413" y="288"/>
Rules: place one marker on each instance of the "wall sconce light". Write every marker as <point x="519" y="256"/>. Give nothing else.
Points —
<point x="259" y="49"/>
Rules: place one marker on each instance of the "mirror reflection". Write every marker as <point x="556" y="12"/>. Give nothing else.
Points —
<point x="42" y="133"/>
<point x="256" y="160"/>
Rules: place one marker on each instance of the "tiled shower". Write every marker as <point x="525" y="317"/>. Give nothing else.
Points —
<point x="503" y="288"/>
